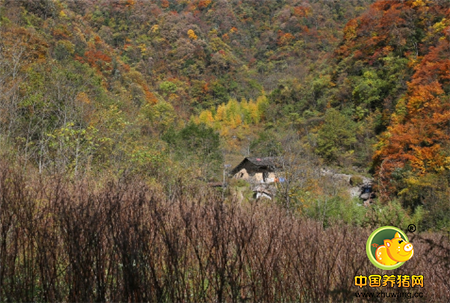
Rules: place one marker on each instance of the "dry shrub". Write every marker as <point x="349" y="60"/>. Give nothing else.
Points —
<point x="65" y="241"/>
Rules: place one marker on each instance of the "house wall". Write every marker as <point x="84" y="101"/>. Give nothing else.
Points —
<point x="258" y="177"/>
<point x="242" y="174"/>
<point x="254" y="174"/>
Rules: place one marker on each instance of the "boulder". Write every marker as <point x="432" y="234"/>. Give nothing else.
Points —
<point x="365" y="196"/>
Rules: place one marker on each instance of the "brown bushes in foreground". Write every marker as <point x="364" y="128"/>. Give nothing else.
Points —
<point x="61" y="241"/>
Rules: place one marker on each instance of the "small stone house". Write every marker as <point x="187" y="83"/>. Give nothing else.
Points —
<point x="257" y="170"/>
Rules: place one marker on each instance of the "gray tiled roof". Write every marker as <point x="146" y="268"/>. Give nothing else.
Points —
<point x="265" y="161"/>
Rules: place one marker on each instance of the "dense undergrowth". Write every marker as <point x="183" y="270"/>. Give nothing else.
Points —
<point x="124" y="240"/>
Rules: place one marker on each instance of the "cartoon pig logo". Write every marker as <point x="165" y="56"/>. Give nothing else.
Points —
<point x="394" y="251"/>
<point x="389" y="248"/>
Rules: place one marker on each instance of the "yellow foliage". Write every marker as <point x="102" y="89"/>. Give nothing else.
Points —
<point x="231" y="123"/>
<point x="232" y="109"/>
<point x="244" y="104"/>
<point x="224" y="131"/>
<point x="440" y="26"/>
<point x="143" y="48"/>
<point x="237" y="120"/>
<point x="83" y="97"/>
<point x="192" y="34"/>
<point x="418" y="3"/>
<point x="253" y="108"/>
<point x="155" y="28"/>
<point x="220" y="114"/>
<point x="195" y="119"/>
<point x="173" y="97"/>
<point x="235" y="114"/>
<point x="206" y="117"/>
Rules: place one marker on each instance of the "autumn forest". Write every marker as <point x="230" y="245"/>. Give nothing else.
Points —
<point x="120" y="122"/>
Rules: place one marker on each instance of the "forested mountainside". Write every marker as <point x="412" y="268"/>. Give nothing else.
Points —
<point x="122" y="120"/>
<point x="110" y="86"/>
<point x="392" y="76"/>
<point x="113" y="77"/>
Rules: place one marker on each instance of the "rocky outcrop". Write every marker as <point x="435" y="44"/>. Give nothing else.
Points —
<point x="358" y="186"/>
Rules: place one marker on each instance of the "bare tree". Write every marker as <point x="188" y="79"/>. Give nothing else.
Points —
<point x="297" y="167"/>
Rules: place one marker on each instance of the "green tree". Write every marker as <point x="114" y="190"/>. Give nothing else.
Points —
<point x="196" y="144"/>
<point x="336" y="137"/>
<point x="161" y="115"/>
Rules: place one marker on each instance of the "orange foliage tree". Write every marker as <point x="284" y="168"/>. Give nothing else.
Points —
<point x="415" y="144"/>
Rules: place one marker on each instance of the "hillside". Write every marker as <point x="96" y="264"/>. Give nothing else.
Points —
<point x="358" y="84"/>
<point x="98" y="73"/>
<point x="391" y="79"/>
<point x="121" y="120"/>
<point x="363" y="86"/>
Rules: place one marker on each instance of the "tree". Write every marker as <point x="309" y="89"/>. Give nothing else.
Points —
<point x="161" y="115"/>
<point x="336" y="137"/>
<point x="197" y="144"/>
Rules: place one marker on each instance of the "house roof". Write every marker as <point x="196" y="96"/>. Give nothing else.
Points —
<point x="266" y="161"/>
<point x="258" y="162"/>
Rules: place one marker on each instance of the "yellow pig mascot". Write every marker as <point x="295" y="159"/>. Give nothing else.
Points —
<point x="393" y="251"/>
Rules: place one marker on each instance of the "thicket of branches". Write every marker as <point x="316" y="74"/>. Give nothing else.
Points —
<point x="121" y="240"/>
